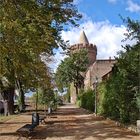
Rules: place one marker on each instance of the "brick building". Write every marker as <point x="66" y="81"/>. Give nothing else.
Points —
<point x="96" y="68"/>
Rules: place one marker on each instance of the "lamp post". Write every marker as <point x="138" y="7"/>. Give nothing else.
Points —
<point x="37" y="81"/>
<point x="95" y="89"/>
<point x="37" y="90"/>
<point x="0" y="63"/>
<point x="35" y="116"/>
<point x="36" y="100"/>
<point x="1" y="58"/>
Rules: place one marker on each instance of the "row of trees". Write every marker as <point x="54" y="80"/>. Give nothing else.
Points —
<point x="29" y="31"/>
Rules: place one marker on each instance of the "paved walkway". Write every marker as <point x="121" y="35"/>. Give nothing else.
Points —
<point x="69" y="123"/>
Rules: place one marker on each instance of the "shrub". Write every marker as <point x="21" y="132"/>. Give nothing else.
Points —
<point x="86" y="99"/>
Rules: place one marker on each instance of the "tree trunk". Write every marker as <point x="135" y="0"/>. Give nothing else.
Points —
<point x="76" y="89"/>
<point x="8" y="96"/>
<point x="11" y="92"/>
<point x="22" y="101"/>
<point x="21" y="95"/>
<point x="5" y="108"/>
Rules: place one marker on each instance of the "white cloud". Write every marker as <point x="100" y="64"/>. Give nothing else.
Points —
<point x="107" y="37"/>
<point x="112" y="1"/>
<point x="133" y="7"/>
<point x="77" y="1"/>
<point x="56" y="59"/>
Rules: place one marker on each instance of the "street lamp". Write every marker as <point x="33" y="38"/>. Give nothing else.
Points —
<point x="35" y="116"/>
<point x="95" y="90"/>
<point x="36" y="108"/>
<point x="0" y="62"/>
<point x="37" y="91"/>
<point x="1" y="74"/>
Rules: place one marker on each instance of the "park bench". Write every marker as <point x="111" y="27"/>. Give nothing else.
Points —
<point x="28" y="128"/>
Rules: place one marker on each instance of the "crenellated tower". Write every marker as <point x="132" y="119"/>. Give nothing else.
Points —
<point x="83" y="43"/>
<point x="100" y="69"/>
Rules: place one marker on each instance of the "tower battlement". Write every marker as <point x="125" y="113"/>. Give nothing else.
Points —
<point x="84" y="44"/>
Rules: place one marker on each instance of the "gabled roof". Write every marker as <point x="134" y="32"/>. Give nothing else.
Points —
<point x="83" y="39"/>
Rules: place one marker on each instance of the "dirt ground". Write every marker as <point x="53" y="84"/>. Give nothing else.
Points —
<point x="67" y="123"/>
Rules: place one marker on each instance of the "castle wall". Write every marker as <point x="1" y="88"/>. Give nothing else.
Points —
<point x="97" y="70"/>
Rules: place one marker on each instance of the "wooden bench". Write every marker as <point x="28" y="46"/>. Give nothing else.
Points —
<point x="28" y="128"/>
<point x="25" y="130"/>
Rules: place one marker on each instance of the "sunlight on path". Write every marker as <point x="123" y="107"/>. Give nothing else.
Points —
<point x="68" y="123"/>
<point x="72" y="123"/>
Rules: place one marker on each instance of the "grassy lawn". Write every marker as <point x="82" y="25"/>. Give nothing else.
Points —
<point x="6" y="118"/>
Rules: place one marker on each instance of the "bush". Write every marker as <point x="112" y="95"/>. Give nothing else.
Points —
<point x="101" y="94"/>
<point x="86" y="99"/>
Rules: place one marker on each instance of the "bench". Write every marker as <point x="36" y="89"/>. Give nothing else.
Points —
<point x="26" y="130"/>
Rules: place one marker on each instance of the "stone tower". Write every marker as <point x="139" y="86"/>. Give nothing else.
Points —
<point x="83" y="43"/>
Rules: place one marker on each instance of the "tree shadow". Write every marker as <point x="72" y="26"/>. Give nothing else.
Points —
<point x="9" y="134"/>
<point x="21" y="122"/>
<point x="81" y="127"/>
<point x="77" y="124"/>
<point x="81" y="131"/>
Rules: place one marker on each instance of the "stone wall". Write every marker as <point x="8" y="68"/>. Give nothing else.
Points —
<point x="97" y="70"/>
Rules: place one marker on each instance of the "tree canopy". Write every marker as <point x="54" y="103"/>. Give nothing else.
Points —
<point x="70" y="70"/>
<point x="29" y="29"/>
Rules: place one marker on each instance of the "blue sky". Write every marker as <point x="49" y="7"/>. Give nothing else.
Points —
<point x="102" y="25"/>
<point x="100" y="10"/>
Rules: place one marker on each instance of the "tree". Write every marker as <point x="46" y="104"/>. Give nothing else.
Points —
<point x="27" y="29"/>
<point x="131" y="59"/>
<point x="71" y="70"/>
<point x="122" y="89"/>
<point x="133" y="29"/>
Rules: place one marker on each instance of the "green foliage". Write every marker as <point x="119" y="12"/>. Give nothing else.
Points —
<point x="45" y="96"/>
<point x="86" y="99"/>
<point x="133" y="28"/>
<point x="70" y="70"/>
<point x="66" y="96"/>
<point x="101" y="97"/>
<point x="27" y="30"/>
<point x="30" y="29"/>
<point x="119" y="95"/>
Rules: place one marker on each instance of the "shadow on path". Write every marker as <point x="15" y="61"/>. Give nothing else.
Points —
<point x="76" y="124"/>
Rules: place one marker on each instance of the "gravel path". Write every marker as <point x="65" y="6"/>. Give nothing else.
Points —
<point x="68" y="123"/>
